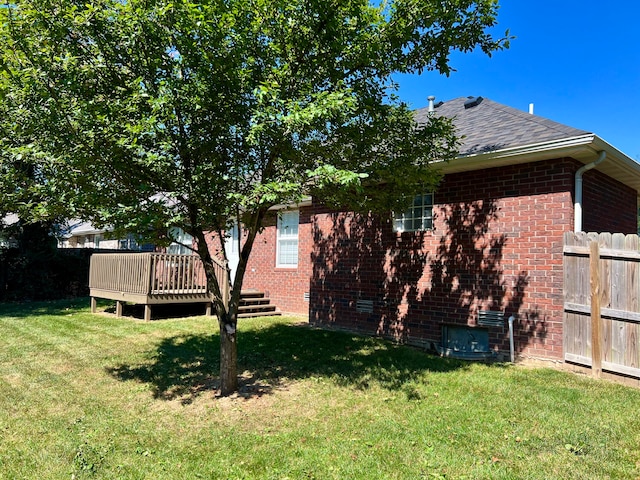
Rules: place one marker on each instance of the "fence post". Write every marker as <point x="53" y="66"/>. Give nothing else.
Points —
<point x="596" y="321"/>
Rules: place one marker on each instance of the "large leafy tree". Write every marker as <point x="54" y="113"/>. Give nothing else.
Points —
<point x="150" y="114"/>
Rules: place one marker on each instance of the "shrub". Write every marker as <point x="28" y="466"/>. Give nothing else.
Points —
<point x="44" y="275"/>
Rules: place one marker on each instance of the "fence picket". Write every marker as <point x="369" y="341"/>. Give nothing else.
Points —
<point x="631" y="345"/>
<point x="619" y="270"/>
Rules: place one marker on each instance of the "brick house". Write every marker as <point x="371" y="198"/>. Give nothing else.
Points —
<point x="489" y="238"/>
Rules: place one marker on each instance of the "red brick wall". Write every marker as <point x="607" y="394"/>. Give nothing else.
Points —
<point x="284" y="286"/>
<point x="496" y="243"/>
<point x="606" y="205"/>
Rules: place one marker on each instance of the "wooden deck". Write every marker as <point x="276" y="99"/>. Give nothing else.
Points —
<point x="151" y="279"/>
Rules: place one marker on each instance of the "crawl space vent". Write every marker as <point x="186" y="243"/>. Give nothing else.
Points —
<point x="462" y="341"/>
<point x="364" y="306"/>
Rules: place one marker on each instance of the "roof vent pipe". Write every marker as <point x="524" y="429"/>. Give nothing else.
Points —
<point x="577" y="210"/>
<point x="531" y="109"/>
<point x="431" y="98"/>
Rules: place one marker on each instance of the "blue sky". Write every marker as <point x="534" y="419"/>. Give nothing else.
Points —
<point x="578" y="62"/>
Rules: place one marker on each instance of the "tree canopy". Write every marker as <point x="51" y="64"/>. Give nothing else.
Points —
<point x="150" y="114"/>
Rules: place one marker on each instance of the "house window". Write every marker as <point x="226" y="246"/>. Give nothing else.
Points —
<point x="287" y="241"/>
<point x="417" y="217"/>
<point x="128" y="243"/>
<point x="182" y="242"/>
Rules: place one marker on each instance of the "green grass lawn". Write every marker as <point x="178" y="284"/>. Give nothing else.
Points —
<point x="93" y="396"/>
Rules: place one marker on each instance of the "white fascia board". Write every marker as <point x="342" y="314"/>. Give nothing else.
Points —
<point x="305" y="202"/>
<point x="87" y="231"/>
<point x="84" y="228"/>
<point x="571" y="147"/>
<point x="621" y="159"/>
<point x="584" y="148"/>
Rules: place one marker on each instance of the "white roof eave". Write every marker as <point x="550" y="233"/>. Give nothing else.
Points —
<point x="584" y="148"/>
<point x="305" y="202"/>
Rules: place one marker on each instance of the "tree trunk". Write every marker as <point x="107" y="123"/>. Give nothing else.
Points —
<point x="228" y="312"/>
<point x="228" y="357"/>
<point x="227" y="321"/>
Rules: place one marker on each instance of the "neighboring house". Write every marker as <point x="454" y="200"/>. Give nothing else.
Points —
<point x="6" y="240"/>
<point x="81" y="234"/>
<point x="489" y="238"/>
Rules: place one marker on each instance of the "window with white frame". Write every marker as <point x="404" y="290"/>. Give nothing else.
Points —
<point x="128" y="243"/>
<point x="418" y="217"/>
<point x="181" y="242"/>
<point x="287" y="239"/>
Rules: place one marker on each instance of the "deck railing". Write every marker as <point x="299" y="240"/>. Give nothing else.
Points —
<point x="153" y="274"/>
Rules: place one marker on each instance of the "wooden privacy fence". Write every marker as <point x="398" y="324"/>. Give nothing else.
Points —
<point x="151" y="279"/>
<point x="601" y="301"/>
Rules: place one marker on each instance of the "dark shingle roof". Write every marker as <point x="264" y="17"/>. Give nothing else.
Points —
<point x="490" y="126"/>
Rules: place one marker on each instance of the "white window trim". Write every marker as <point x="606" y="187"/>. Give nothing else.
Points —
<point x="280" y="237"/>
<point x="403" y="216"/>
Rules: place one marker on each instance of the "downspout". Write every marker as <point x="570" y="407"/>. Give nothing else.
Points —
<point x="511" y="346"/>
<point x="577" y="210"/>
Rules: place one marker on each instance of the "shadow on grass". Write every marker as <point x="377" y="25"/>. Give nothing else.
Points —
<point x="62" y="307"/>
<point x="49" y="308"/>
<point x="183" y="367"/>
<point x="159" y="312"/>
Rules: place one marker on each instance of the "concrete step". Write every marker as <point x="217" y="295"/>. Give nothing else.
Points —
<point x="256" y="308"/>
<point x="254" y="304"/>
<point x="254" y="301"/>
<point x="251" y="294"/>
<point x="259" y="314"/>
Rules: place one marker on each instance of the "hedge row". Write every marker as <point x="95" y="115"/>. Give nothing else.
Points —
<point x="48" y="275"/>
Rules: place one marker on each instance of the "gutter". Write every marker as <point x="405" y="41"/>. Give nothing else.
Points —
<point x="568" y="147"/>
<point x="577" y="211"/>
<point x="305" y="202"/>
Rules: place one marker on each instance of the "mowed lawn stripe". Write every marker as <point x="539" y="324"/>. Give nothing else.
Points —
<point x="93" y="396"/>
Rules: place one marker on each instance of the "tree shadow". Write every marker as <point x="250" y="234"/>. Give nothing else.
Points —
<point x="180" y="367"/>
<point x="468" y="274"/>
<point x="183" y="367"/>
<point x="349" y="274"/>
<point x="408" y="285"/>
<point x="58" y="308"/>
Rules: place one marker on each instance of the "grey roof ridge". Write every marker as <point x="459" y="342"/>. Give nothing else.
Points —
<point x="514" y="112"/>
<point x="543" y="121"/>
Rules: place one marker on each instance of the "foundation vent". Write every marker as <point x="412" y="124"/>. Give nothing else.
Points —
<point x="364" y="306"/>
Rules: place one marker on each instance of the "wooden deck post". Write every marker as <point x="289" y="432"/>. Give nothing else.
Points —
<point x="93" y="305"/>
<point x="596" y="321"/>
<point x="147" y="313"/>
<point x="118" y="308"/>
